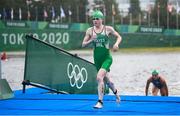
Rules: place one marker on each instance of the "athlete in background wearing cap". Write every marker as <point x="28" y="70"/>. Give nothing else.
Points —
<point x="159" y="83"/>
<point x="98" y="35"/>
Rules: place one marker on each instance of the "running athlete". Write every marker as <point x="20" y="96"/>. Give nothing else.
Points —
<point x="159" y="83"/>
<point x="98" y="35"/>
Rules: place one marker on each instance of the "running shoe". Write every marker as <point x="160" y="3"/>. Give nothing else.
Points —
<point x="98" y="105"/>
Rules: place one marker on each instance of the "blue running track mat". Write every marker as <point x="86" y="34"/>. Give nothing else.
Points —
<point x="39" y="102"/>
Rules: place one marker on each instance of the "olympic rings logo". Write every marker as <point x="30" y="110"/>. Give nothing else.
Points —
<point x="76" y="75"/>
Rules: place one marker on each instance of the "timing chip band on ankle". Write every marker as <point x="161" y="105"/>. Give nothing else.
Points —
<point x="115" y="92"/>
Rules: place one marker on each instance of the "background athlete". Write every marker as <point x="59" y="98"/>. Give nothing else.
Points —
<point x="159" y="83"/>
<point x="98" y="35"/>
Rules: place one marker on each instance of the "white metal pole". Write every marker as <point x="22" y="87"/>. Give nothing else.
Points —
<point x="158" y="14"/>
<point x="139" y="18"/>
<point x="167" y="19"/>
<point x="149" y="18"/>
<point x="130" y="17"/>
<point x="122" y="17"/>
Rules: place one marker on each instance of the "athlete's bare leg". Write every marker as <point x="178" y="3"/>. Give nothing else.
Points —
<point x="100" y="79"/>
<point x="112" y="87"/>
<point x="163" y="92"/>
<point x="155" y="90"/>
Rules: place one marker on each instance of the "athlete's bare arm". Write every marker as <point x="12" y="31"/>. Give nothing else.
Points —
<point x="87" y="39"/>
<point x="165" y="85"/>
<point x="117" y="36"/>
<point x="167" y="92"/>
<point x="147" y="85"/>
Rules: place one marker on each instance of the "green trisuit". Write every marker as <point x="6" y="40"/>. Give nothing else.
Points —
<point x="102" y="56"/>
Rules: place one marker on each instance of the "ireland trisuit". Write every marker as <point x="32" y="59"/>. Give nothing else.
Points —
<point x="102" y="56"/>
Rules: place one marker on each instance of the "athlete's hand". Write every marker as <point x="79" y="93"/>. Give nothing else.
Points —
<point x="88" y="40"/>
<point x="115" y="48"/>
<point x="93" y="37"/>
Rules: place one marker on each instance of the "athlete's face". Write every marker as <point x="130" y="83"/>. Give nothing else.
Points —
<point x="155" y="76"/>
<point x="97" y="21"/>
